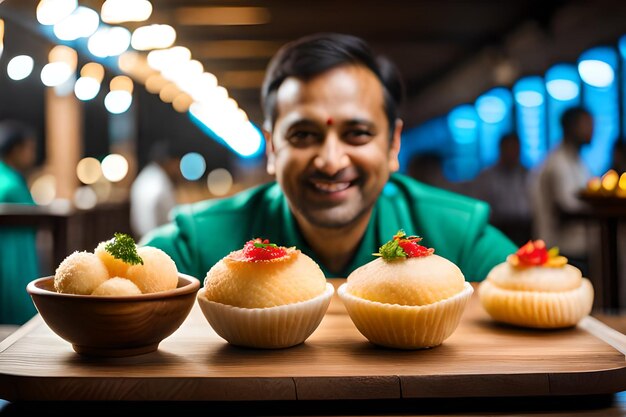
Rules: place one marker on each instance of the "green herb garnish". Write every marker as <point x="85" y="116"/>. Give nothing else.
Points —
<point x="392" y="249"/>
<point x="265" y="245"/>
<point x="123" y="247"/>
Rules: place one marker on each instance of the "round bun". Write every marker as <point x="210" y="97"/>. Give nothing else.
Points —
<point x="540" y="295"/>
<point x="116" y="286"/>
<point x="116" y="267"/>
<point x="537" y="278"/>
<point x="411" y="282"/>
<point x="268" y="283"/>
<point x="158" y="272"/>
<point x="80" y="273"/>
<point x="407" y="302"/>
<point x="265" y="296"/>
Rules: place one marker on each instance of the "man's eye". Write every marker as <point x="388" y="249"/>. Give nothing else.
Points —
<point x="302" y="137"/>
<point x="359" y="136"/>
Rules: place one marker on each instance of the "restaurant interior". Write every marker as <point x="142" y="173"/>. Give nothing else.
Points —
<point x="102" y="82"/>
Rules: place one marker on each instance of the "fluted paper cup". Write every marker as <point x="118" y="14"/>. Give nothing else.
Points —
<point x="539" y="309"/>
<point x="268" y="328"/>
<point x="406" y="327"/>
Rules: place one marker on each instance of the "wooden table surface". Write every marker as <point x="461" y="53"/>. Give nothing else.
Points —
<point x="481" y="359"/>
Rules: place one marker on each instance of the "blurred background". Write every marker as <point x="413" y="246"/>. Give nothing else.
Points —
<point x="113" y="86"/>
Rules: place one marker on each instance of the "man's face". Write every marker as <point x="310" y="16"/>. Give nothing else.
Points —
<point x="330" y="147"/>
<point x="584" y="129"/>
<point x="26" y="154"/>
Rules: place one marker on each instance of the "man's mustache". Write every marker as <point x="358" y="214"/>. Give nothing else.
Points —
<point x="345" y="175"/>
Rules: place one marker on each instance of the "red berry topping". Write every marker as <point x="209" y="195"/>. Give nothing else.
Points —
<point x="413" y="250"/>
<point x="403" y="246"/>
<point x="262" y="250"/>
<point x="533" y="253"/>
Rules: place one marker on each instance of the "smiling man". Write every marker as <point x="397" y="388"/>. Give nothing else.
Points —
<point x="333" y="137"/>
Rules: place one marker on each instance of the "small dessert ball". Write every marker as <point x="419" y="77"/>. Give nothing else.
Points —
<point x="409" y="298"/>
<point x="80" y="273"/>
<point x="537" y="288"/>
<point x="262" y="277"/>
<point x="117" y="286"/>
<point x="412" y="282"/>
<point x="265" y="296"/>
<point x="158" y="272"/>
<point x="116" y="267"/>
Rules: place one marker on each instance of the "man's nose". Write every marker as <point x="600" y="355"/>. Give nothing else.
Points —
<point x="331" y="157"/>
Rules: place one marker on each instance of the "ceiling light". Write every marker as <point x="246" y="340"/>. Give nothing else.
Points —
<point x="117" y="101"/>
<point x="82" y="23"/>
<point x="563" y="90"/>
<point x="20" y="67"/>
<point x="529" y="98"/>
<point x="86" y="88"/>
<point x="596" y="73"/>
<point x="119" y="11"/>
<point x="50" y="12"/>
<point x="114" y="167"/>
<point x="109" y="41"/>
<point x="491" y="109"/>
<point x="146" y="38"/>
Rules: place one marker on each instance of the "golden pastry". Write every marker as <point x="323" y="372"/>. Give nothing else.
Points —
<point x="536" y="287"/>
<point x="265" y="296"/>
<point x="408" y="298"/>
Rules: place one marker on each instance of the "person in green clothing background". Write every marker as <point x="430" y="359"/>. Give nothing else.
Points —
<point x="332" y="137"/>
<point x="19" y="262"/>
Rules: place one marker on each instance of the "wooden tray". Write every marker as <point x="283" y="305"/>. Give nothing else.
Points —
<point x="480" y="359"/>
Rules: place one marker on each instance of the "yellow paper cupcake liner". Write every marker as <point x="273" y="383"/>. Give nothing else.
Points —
<point x="268" y="328"/>
<point x="406" y="327"/>
<point x="537" y="309"/>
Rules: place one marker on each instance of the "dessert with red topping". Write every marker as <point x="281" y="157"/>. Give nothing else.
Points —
<point x="265" y="295"/>
<point x="408" y="298"/>
<point x="536" y="287"/>
<point x="262" y="250"/>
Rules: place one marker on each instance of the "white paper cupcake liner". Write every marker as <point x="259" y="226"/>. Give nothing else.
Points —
<point x="540" y="309"/>
<point x="268" y="328"/>
<point x="406" y="327"/>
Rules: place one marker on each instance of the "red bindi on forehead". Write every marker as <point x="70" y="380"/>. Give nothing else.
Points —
<point x="329" y="122"/>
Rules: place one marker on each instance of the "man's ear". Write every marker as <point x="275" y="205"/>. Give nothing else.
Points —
<point x="394" y="149"/>
<point x="269" y="152"/>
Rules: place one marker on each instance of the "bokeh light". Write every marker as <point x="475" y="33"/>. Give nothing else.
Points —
<point x="20" y="67"/>
<point x="88" y="170"/>
<point x="114" y="167"/>
<point x="219" y="181"/>
<point x="44" y="189"/>
<point x="192" y="166"/>
<point x="85" y="198"/>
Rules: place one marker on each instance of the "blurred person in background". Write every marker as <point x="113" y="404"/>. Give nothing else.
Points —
<point x="153" y="193"/>
<point x="332" y="135"/>
<point x="505" y="186"/>
<point x="19" y="263"/>
<point x="555" y="188"/>
<point x="428" y="168"/>
<point x="619" y="156"/>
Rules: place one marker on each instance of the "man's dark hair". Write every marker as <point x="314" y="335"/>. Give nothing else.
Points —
<point x="570" y="117"/>
<point x="509" y="137"/>
<point x="313" y="55"/>
<point x="12" y="134"/>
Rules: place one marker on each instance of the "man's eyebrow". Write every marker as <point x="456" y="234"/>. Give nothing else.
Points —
<point x="305" y="122"/>
<point x="355" y="122"/>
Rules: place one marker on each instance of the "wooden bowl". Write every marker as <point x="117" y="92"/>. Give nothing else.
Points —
<point x="114" y="326"/>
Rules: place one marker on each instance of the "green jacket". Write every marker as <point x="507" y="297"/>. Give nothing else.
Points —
<point x="19" y="262"/>
<point x="456" y="226"/>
